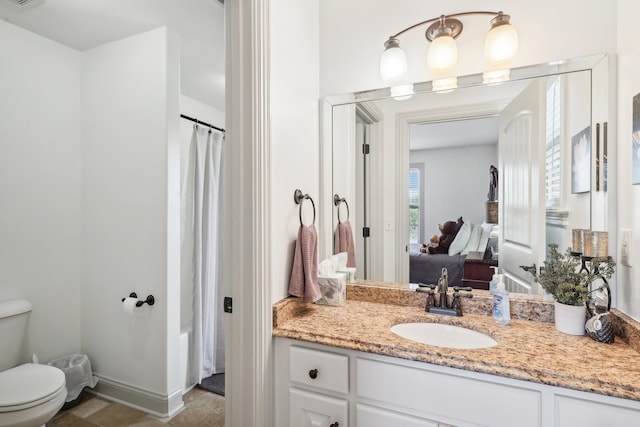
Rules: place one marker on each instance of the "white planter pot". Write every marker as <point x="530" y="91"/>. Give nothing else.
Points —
<point x="570" y="319"/>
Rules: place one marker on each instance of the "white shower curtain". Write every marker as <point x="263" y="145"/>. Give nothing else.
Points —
<point x="201" y="192"/>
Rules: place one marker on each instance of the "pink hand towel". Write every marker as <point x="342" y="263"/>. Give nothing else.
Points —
<point x="343" y="242"/>
<point x="304" y="274"/>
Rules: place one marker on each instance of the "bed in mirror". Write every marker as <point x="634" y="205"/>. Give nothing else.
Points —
<point x="522" y="163"/>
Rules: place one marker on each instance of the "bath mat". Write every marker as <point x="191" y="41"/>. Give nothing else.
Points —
<point x="214" y="384"/>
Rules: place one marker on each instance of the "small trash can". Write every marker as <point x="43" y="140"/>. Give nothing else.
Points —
<point x="78" y="374"/>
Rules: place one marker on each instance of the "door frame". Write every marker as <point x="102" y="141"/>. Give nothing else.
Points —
<point x="403" y="136"/>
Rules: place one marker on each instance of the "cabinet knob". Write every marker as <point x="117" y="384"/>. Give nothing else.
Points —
<point x="335" y="424"/>
<point x="313" y="374"/>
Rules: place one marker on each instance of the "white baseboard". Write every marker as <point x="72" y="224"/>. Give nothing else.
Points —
<point x="158" y="405"/>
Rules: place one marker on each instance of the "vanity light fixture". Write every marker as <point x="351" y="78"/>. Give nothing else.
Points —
<point x="501" y="45"/>
<point x="402" y="92"/>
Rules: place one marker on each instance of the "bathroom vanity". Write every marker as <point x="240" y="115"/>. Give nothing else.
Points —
<point x="341" y="366"/>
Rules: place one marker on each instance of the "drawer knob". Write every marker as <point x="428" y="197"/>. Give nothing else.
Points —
<point x="313" y="374"/>
<point x="335" y="424"/>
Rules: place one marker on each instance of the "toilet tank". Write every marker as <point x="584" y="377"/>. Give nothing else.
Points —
<point x="14" y="319"/>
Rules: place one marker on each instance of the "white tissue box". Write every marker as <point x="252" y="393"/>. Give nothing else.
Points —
<point x="351" y="274"/>
<point x="333" y="289"/>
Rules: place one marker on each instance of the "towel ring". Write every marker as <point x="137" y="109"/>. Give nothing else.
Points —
<point x="336" y="201"/>
<point x="298" y="197"/>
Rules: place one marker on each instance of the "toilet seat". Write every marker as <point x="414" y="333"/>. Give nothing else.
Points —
<point x="29" y="385"/>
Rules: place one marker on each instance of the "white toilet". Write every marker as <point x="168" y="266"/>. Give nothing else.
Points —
<point x="30" y="394"/>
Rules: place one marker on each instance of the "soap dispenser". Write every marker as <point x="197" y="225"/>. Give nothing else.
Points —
<point x="494" y="280"/>
<point x="501" y="306"/>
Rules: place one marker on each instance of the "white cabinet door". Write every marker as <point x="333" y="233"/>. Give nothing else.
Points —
<point x="571" y="412"/>
<point x="369" y="416"/>
<point x="316" y="410"/>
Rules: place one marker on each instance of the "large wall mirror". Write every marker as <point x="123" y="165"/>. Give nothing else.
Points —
<point x="406" y="164"/>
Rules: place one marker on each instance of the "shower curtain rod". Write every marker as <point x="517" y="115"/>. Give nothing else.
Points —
<point x="200" y="122"/>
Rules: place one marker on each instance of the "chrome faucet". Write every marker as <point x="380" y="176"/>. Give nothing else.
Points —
<point x="443" y="287"/>
<point x="442" y="305"/>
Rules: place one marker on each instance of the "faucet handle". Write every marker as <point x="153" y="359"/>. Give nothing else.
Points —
<point x="431" y="301"/>
<point x="424" y="285"/>
<point x="462" y="288"/>
<point x="459" y="295"/>
<point x="455" y="304"/>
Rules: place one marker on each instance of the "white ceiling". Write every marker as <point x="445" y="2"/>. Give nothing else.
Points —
<point x="85" y="24"/>
<point x="456" y="133"/>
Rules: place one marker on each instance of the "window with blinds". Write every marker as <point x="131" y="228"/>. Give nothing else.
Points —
<point x="553" y="137"/>
<point x="416" y="194"/>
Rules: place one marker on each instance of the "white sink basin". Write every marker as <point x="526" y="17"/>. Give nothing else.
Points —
<point x="442" y="335"/>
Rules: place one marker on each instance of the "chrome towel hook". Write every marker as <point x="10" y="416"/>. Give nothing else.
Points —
<point x="336" y="201"/>
<point x="298" y="197"/>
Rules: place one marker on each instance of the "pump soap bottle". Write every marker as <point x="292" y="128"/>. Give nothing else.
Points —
<point x="494" y="279"/>
<point x="501" y="306"/>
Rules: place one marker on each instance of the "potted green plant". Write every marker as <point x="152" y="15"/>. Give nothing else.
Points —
<point x="566" y="279"/>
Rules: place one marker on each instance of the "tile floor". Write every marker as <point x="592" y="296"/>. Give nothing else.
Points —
<point x="201" y="408"/>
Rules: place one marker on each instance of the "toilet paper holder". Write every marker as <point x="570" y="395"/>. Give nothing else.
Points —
<point x="150" y="299"/>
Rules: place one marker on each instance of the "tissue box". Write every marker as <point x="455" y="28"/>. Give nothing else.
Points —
<point x="333" y="289"/>
<point x="351" y="274"/>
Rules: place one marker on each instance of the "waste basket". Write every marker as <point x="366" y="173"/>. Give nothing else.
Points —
<point x="78" y="374"/>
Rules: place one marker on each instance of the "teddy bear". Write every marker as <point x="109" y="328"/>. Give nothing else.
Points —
<point x="449" y="230"/>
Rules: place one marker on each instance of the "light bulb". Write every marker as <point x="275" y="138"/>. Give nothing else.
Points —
<point x="501" y="44"/>
<point x="393" y="62"/>
<point x="443" y="54"/>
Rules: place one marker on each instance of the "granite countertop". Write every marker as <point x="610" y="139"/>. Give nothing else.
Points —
<point x="530" y="350"/>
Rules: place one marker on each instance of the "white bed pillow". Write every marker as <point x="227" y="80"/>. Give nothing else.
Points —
<point x="461" y="240"/>
<point x="474" y="240"/>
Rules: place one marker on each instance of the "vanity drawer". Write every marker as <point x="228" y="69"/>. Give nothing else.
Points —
<point x="321" y="369"/>
<point x="370" y="416"/>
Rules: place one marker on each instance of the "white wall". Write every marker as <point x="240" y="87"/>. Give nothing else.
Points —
<point x="294" y="115"/>
<point x="629" y="195"/>
<point x="131" y="209"/>
<point x="198" y="110"/>
<point x="456" y="184"/>
<point x="353" y="34"/>
<point x="577" y="118"/>
<point x="40" y="192"/>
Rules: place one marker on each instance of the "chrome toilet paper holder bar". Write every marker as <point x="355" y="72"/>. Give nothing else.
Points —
<point x="150" y="299"/>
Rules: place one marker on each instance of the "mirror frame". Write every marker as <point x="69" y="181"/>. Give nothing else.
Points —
<point x="602" y="69"/>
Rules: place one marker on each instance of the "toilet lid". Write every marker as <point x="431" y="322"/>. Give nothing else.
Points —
<point x="27" y="384"/>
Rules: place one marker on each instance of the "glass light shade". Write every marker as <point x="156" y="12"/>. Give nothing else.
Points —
<point x="402" y="92"/>
<point x="495" y="77"/>
<point x="501" y="45"/>
<point x="445" y="85"/>
<point x="393" y="65"/>
<point x="443" y="55"/>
